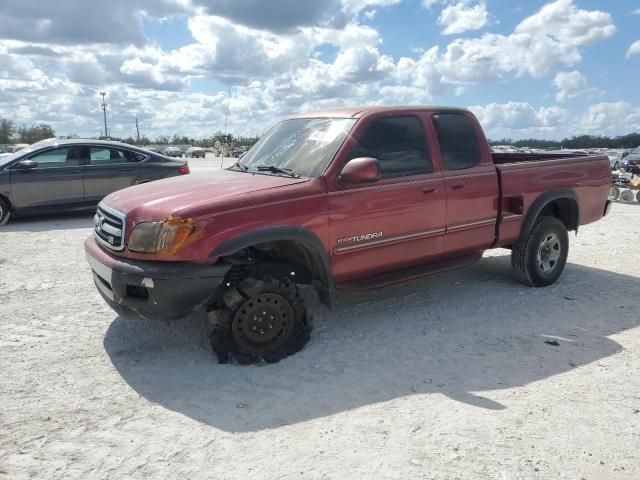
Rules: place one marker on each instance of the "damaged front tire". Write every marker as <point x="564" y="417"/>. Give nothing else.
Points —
<point x="260" y="320"/>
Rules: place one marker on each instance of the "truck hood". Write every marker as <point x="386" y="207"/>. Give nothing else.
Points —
<point x="195" y="195"/>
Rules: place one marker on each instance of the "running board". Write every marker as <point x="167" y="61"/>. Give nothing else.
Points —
<point x="412" y="273"/>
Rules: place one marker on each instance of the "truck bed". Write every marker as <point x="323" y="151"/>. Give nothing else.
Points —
<point x="523" y="176"/>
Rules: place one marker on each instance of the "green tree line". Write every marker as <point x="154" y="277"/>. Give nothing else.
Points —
<point x="631" y="140"/>
<point x="12" y="133"/>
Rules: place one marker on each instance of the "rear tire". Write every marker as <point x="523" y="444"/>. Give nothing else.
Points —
<point x="539" y="259"/>
<point x="260" y="320"/>
<point x="5" y="213"/>
<point x="638" y="196"/>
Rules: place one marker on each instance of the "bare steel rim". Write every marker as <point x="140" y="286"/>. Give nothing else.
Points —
<point x="549" y="253"/>
<point x="263" y="323"/>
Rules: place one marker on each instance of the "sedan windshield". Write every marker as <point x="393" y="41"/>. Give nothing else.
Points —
<point x="302" y="146"/>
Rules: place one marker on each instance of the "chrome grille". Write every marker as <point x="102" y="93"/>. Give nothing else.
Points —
<point x="109" y="225"/>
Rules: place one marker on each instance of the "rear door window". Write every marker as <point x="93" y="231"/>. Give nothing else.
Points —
<point x="399" y="144"/>
<point x="106" y="155"/>
<point x="459" y="145"/>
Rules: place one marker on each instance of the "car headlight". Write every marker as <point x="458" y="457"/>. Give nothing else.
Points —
<point x="166" y="237"/>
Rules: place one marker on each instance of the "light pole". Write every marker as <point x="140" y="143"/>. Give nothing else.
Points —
<point x="104" y="111"/>
<point x="226" y="116"/>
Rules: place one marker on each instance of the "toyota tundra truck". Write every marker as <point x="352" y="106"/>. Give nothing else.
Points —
<point x="348" y="199"/>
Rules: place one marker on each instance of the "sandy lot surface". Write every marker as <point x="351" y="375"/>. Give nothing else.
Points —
<point x="449" y="377"/>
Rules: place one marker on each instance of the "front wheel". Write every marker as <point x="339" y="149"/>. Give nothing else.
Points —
<point x="4" y="212"/>
<point x="539" y="259"/>
<point x="260" y="320"/>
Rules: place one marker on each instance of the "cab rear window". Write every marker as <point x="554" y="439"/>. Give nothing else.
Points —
<point x="459" y="145"/>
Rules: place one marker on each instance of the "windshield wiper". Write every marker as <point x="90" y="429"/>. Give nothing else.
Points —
<point x="240" y="165"/>
<point x="274" y="169"/>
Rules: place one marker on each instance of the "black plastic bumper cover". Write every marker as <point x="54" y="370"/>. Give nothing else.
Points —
<point x="153" y="290"/>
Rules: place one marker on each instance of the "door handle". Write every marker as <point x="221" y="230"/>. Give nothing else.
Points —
<point x="126" y="169"/>
<point x="457" y="187"/>
<point x="429" y="191"/>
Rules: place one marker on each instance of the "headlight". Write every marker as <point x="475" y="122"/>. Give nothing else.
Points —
<point x="167" y="237"/>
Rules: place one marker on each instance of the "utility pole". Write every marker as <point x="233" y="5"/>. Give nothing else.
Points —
<point x="138" y="130"/>
<point x="226" y="117"/>
<point x="104" y="111"/>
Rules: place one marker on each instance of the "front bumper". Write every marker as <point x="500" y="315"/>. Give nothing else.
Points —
<point x="149" y="289"/>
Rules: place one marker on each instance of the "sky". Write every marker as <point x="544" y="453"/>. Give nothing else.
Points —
<point x="536" y="68"/>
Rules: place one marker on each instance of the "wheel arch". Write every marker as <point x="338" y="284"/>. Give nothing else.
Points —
<point x="560" y="203"/>
<point x="300" y="241"/>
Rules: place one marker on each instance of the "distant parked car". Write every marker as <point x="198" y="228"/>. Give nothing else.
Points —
<point x="615" y="158"/>
<point x="239" y="152"/>
<point x="632" y="162"/>
<point x="195" y="152"/>
<point x="66" y="175"/>
<point x="172" y="152"/>
<point x="17" y="147"/>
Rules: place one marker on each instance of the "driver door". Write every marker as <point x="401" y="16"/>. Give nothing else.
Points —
<point x="398" y="221"/>
<point x="54" y="182"/>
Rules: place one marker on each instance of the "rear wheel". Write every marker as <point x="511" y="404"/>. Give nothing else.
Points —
<point x="638" y="196"/>
<point x="260" y="320"/>
<point x="539" y="259"/>
<point x="626" y="196"/>
<point x="4" y="212"/>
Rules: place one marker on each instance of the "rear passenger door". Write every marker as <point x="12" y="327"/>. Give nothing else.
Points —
<point x="55" y="182"/>
<point x="109" y="169"/>
<point x="471" y="184"/>
<point x="397" y="221"/>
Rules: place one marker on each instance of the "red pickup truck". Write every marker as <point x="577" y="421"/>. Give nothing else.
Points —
<point x="346" y="199"/>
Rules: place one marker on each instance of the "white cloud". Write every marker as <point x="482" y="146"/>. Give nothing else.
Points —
<point x="572" y="85"/>
<point x="428" y="4"/>
<point x="634" y="49"/>
<point x="612" y="117"/>
<point x="563" y="21"/>
<point x="462" y="17"/>
<point x="69" y="22"/>
<point x="355" y="6"/>
<point x="548" y="41"/>
<point x="402" y="94"/>
<point x="519" y="116"/>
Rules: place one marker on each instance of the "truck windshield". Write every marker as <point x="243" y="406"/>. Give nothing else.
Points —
<point x="302" y="146"/>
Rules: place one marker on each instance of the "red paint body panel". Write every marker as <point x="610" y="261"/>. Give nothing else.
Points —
<point x="370" y="228"/>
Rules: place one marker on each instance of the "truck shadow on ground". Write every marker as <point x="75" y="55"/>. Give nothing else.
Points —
<point x="465" y="334"/>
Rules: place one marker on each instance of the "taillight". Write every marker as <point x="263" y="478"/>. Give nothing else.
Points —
<point x="184" y="169"/>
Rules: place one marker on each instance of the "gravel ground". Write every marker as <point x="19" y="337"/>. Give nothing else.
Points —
<point x="463" y="375"/>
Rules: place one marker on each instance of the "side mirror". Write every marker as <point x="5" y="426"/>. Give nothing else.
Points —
<point x="361" y="170"/>
<point x="26" y="164"/>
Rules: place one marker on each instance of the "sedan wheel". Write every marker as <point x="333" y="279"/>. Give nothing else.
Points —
<point x="4" y="212"/>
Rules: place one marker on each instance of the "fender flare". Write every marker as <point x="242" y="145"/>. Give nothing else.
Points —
<point x="543" y="200"/>
<point x="284" y="233"/>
